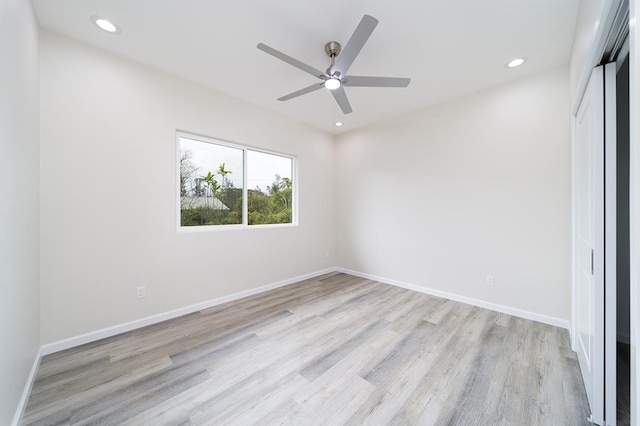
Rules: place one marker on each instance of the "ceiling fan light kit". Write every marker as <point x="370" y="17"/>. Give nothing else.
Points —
<point x="335" y="78"/>
<point x="332" y="83"/>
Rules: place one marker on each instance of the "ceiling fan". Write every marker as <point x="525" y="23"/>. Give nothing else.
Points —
<point x="335" y="77"/>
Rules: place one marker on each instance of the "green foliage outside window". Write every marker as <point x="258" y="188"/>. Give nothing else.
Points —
<point x="209" y="197"/>
<point x="272" y="206"/>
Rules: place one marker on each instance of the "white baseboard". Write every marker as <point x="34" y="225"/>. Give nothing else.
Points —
<point x="132" y="325"/>
<point x="142" y="322"/>
<point x="22" y="404"/>
<point x="558" y="322"/>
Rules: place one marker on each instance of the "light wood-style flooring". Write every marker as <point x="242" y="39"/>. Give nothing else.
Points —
<point x="332" y="350"/>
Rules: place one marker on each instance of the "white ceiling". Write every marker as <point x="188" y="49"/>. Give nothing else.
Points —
<point x="448" y="48"/>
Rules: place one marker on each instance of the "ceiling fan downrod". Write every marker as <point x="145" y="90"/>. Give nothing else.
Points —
<point x="332" y="49"/>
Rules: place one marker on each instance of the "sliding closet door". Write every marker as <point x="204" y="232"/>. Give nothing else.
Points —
<point x="610" y="243"/>
<point x="595" y="242"/>
<point x="589" y="242"/>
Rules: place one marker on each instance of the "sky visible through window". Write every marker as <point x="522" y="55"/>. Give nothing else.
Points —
<point x="261" y="167"/>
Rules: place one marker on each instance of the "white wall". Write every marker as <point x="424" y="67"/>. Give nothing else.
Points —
<point x="109" y="193"/>
<point x="481" y="185"/>
<point x="19" y="186"/>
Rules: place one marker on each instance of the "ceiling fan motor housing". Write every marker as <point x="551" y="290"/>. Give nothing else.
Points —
<point x="332" y="49"/>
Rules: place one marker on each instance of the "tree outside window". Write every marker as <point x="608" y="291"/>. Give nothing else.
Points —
<point x="212" y="189"/>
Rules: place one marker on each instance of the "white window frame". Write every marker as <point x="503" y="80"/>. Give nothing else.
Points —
<point x="245" y="199"/>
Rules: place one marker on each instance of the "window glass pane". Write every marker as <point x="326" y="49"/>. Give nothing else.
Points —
<point x="211" y="182"/>
<point x="270" y="188"/>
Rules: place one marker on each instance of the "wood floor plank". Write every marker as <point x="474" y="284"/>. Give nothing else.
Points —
<point x="326" y="360"/>
<point x="344" y="401"/>
<point x="330" y="350"/>
<point x="451" y="358"/>
<point x="253" y="409"/>
<point x="119" y="406"/>
<point x="177" y="409"/>
<point x="474" y="395"/>
<point x="51" y="402"/>
<point x="78" y="384"/>
<point x="391" y="395"/>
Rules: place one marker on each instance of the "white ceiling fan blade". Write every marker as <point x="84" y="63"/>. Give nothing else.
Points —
<point x="363" y="81"/>
<point x="355" y="44"/>
<point x="288" y="59"/>
<point x="341" y="97"/>
<point x="297" y="93"/>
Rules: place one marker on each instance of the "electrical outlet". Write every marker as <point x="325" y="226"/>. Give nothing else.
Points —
<point x="491" y="280"/>
<point x="141" y="292"/>
<point x="326" y="254"/>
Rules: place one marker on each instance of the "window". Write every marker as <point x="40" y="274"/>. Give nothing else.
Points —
<point x="224" y="184"/>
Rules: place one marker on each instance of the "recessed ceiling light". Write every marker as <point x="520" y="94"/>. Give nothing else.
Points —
<point x="338" y="123"/>
<point x="105" y="25"/>
<point x="516" y="62"/>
